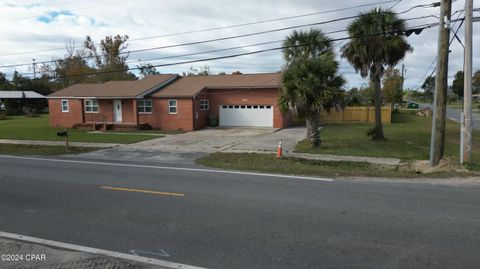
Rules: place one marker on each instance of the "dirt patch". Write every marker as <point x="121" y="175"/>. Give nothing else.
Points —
<point x="445" y="165"/>
<point x="426" y="112"/>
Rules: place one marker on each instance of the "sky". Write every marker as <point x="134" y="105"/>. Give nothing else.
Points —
<point x="40" y="30"/>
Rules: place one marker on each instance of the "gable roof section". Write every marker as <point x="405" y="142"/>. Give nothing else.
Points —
<point x="116" y="89"/>
<point x="189" y="86"/>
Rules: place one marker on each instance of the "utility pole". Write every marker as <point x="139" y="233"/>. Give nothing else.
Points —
<point x="401" y="86"/>
<point x="34" y="68"/>
<point x="437" y="142"/>
<point x="466" y="146"/>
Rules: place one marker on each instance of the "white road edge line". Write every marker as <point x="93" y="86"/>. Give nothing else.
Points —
<point x="97" y="251"/>
<point x="169" y="168"/>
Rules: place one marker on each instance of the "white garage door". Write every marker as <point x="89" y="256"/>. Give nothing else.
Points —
<point x="246" y="115"/>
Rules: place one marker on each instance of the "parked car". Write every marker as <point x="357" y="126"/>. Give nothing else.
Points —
<point x="413" y="105"/>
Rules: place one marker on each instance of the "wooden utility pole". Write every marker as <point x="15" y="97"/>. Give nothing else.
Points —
<point x="466" y="145"/>
<point x="437" y="142"/>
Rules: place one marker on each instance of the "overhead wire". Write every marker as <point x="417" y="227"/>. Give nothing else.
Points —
<point x="228" y="26"/>
<point x="420" y="81"/>
<point x="213" y="51"/>
<point x="228" y="56"/>
<point x="214" y="39"/>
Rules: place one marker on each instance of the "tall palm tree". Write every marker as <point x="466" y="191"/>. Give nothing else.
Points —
<point x="373" y="46"/>
<point x="310" y="79"/>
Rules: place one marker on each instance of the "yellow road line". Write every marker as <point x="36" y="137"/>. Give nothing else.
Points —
<point x="143" y="191"/>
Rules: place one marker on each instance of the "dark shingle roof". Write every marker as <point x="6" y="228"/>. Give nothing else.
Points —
<point x="169" y="85"/>
<point x="189" y="86"/>
<point x="121" y="89"/>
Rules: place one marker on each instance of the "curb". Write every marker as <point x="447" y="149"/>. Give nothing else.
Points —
<point x="108" y="253"/>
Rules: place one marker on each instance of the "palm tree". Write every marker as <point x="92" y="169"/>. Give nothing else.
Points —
<point x="311" y="83"/>
<point x="374" y="45"/>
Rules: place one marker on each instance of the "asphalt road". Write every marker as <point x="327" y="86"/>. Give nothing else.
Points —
<point x="225" y="220"/>
<point x="454" y="114"/>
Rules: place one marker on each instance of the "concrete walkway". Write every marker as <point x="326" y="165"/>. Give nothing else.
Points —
<point x="325" y="157"/>
<point x="59" y="143"/>
<point x="336" y="158"/>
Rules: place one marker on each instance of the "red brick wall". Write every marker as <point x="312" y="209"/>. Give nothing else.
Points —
<point x="187" y="109"/>
<point x="165" y="121"/>
<point x="77" y="112"/>
<point x="200" y="116"/>
<point x="128" y="114"/>
<point x="65" y="119"/>
<point x="150" y="119"/>
<point x="104" y="114"/>
<point x="249" y="97"/>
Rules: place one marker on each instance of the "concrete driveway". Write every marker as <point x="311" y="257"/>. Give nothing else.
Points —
<point x="224" y="140"/>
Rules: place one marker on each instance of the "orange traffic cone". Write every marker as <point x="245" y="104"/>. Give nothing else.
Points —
<point x="279" y="150"/>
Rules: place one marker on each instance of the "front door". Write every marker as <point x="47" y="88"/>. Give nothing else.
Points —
<point x="117" y="110"/>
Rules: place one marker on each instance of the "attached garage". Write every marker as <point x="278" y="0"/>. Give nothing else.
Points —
<point x="246" y="115"/>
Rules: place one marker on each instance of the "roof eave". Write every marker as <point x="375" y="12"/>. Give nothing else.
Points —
<point x="244" y="87"/>
<point x="92" y="97"/>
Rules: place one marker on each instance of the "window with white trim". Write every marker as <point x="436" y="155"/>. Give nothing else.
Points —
<point x="91" y="106"/>
<point x="144" y="106"/>
<point x="204" y="104"/>
<point x="64" y="105"/>
<point x="172" y="106"/>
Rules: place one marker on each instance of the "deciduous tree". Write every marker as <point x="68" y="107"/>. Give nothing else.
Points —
<point x="110" y="58"/>
<point x="457" y="85"/>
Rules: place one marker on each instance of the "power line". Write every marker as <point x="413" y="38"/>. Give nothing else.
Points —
<point x="270" y="20"/>
<point x="234" y="55"/>
<point x="394" y="5"/>
<point x="219" y="39"/>
<point x="226" y="27"/>
<point x="218" y="50"/>
<point x="436" y="56"/>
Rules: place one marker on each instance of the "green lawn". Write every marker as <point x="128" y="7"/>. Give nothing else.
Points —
<point x="12" y="149"/>
<point x="268" y="163"/>
<point x="408" y="139"/>
<point x="38" y="128"/>
<point x="459" y="105"/>
<point x="456" y="105"/>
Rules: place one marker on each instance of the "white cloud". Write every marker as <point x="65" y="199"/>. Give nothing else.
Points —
<point x="22" y="31"/>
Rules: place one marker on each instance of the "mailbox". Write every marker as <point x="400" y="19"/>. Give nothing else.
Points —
<point x="62" y="133"/>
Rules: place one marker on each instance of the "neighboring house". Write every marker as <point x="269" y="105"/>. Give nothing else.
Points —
<point x="172" y="102"/>
<point x="18" y="95"/>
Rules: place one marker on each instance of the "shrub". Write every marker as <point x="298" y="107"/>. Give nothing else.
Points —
<point x="372" y="133"/>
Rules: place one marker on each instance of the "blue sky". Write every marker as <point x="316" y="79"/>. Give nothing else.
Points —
<point x="51" y="16"/>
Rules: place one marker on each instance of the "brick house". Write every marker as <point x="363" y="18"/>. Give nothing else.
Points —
<point x="172" y="102"/>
